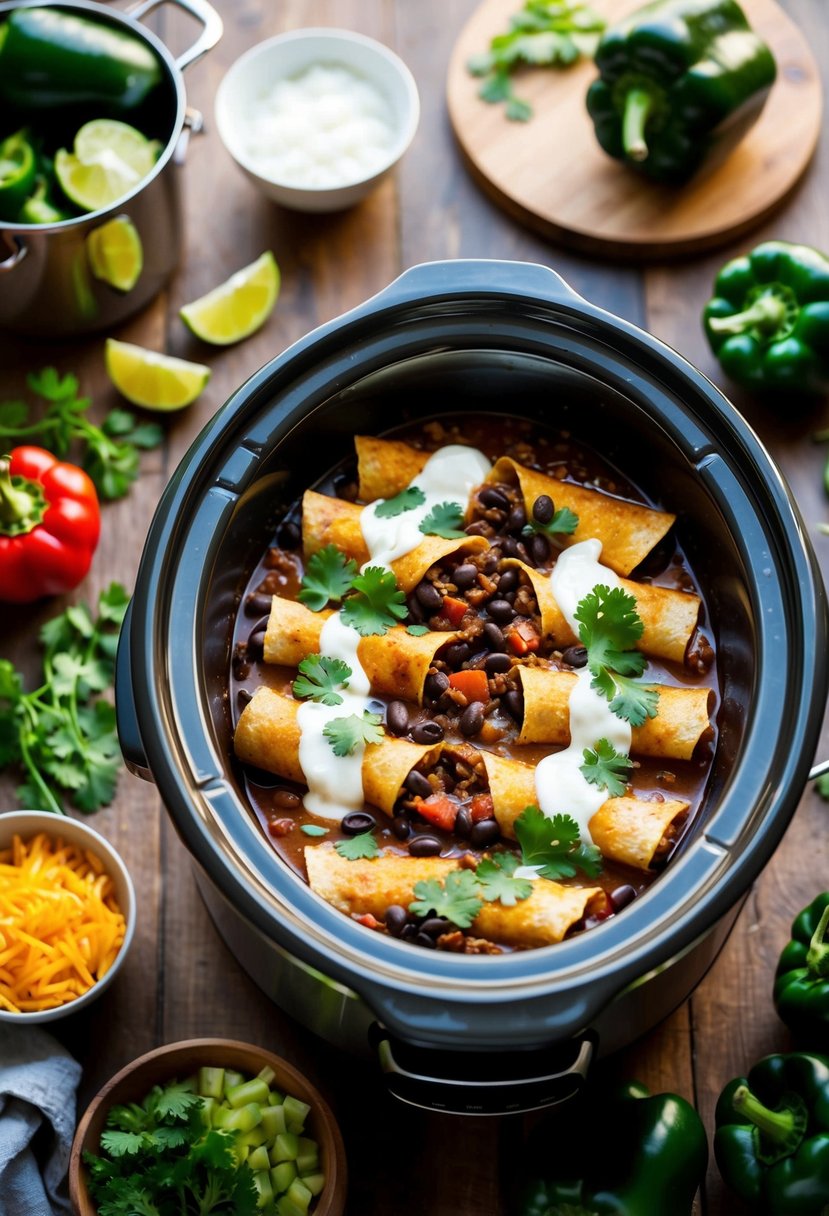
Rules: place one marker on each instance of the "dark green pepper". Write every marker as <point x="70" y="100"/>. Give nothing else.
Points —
<point x="678" y="80"/>
<point x="772" y="1137"/>
<point x="768" y="321"/>
<point x="51" y="58"/>
<point x="649" y="1163"/>
<point x="18" y="165"/>
<point x="801" y="982"/>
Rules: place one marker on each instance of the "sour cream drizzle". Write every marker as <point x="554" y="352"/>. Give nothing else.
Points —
<point x="449" y="475"/>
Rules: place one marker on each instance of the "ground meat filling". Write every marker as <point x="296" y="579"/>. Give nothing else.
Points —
<point x="452" y="796"/>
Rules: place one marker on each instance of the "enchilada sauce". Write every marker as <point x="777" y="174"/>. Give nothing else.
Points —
<point x="474" y="701"/>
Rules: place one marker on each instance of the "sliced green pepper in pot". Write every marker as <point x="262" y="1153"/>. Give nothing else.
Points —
<point x="18" y="166"/>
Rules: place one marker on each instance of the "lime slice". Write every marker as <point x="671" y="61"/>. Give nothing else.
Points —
<point x="115" y="253"/>
<point x="109" y="160"/>
<point x="105" y="141"/>
<point x="238" y="307"/>
<point x="158" y="382"/>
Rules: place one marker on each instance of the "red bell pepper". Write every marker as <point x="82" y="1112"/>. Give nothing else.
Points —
<point x="438" y="809"/>
<point x="454" y="610"/>
<point x="49" y="525"/>
<point x="473" y="683"/>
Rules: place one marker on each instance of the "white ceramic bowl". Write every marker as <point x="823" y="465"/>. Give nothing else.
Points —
<point x="256" y="72"/>
<point x="27" y="824"/>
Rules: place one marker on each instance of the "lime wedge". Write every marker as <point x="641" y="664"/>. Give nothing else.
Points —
<point x="238" y="307"/>
<point x="158" y="382"/>
<point x="107" y="141"/>
<point x="115" y="253"/>
<point x="109" y="160"/>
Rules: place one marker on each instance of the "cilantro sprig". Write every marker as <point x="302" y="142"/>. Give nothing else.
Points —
<point x="320" y="677"/>
<point x="563" y="522"/>
<point x="457" y="897"/>
<point x="446" y="520"/>
<point x="605" y="767"/>
<point x="62" y="733"/>
<point x="109" y="453"/>
<point x="354" y="848"/>
<point x="328" y="576"/>
<point x="346" y="734"/>
<point x="555" y="845"/>
<point x="406" y="500"/>
<point x="376" y="602"/>
<point x="496" y="875"/>
<point x="609" y="627"/>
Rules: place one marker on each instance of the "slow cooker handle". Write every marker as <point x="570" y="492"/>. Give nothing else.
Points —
<point x="204" y="13"/>
<point x="445" y="280"/>
<point x="129" y="736"/>
<point x="483" y="1082"/>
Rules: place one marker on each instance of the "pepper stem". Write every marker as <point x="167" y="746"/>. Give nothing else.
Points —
<point x="767" y="313"/>
<point x="15" y="505"/>
<point x="784" y="1128"/>
<point x="817" y="958"/>
<point x="639" y="105"/>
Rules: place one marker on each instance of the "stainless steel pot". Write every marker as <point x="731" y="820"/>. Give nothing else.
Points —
<point x="454" y="1032"/>
<point x="46" y="285"/>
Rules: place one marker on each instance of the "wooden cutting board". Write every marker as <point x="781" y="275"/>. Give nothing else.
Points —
<point x="551" y="173"/>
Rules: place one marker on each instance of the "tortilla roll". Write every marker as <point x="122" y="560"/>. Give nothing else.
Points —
<point x="681" y="715"/>
<point x="637" y="832"/>
<point x="669" y="617"/>
<point x="385" y="466"/>
<point x="372" y="885"/>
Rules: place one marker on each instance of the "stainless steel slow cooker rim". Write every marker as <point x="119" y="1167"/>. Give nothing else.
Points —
<point x="244" y="403"/>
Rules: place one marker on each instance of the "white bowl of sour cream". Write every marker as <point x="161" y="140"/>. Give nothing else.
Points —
<point x="317" y="117"/>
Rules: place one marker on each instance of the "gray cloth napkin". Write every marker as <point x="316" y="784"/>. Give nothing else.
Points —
<point x="38" y="1080"/>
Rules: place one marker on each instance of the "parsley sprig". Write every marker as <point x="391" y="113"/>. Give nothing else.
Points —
<point x="328" y="576"/>
<point x="609" y="627"/>
<point x="605" y="767"/>
<point x="555" y="845"/>
<point x="406" y="500"/>
<point x="446" y="520"/>
<point x="62" y="733"/>
<point x="110" y="452"/>
<point x="376" y="603"/>
<point x="320" y="677"/>
<point x="346" y="734"/>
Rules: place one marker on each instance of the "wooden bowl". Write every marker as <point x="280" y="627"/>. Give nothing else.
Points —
<point x="179" y="1060"/>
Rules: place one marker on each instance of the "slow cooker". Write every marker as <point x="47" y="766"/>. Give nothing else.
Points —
<point x="468" y="1033"/>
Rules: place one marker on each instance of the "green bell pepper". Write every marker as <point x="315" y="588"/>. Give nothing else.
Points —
<point x="18" y="165"/>
<point x="650" y="1165"/>
<point x="772" y="1137"/>
<point x="768" y="321"/>
<point x="50" y="58"/>
<point x="801" y="981"/>
<point x="678" y="79"/>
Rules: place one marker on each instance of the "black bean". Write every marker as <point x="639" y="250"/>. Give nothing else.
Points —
<point x="435" y="925"/>
<point x="472" y="719"/>
<point x="357" y="822"/>
<point x="517" y="519"/>
<point x="244" y="697"/>
<point x="464" y="576"/>
<point x="436" y="685"/>
<point x="620" y="897"/>
<point x="424" y="845"/>
<point x="397" y="718"/>
<point x="417" y="784"/>
<point x="539" y="549"/>
<point x="543" y="509"/>
<point x="576" y="656"/>
<point x="463" y="822"/>
<point x="423" y="939"/>
<point x="498" y="662"/>
<point x="508" y="580"/>
<point x="494" y="636"/>
<point x="396" y="919"/>
<point x="492" y="497"/>
<point x="429" y="596"/>
<point x="409" y="932"/>
<point x="513" y="703"/>
<point x="287" y="800"/>
<point x="256" y="605"/>
<point x="256" y="638"/>
<point x="484" y="832"/>
<point x="427" y="732"/>
<point x="401" y="827"/>
<point x="289" y="535"/>
<point x="415" y="609"/>
<point x="500" y="610"/>
<point x="491" y="563"/>
<point x="509" y="547"/>
<point x="457" y="653"/>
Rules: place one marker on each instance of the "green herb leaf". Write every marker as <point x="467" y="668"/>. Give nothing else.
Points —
<point x="610" y="626"/>
<point x="495" y="875"/>
<point x="320" y="677"/>
<point x="356" y="847"/>
<point x="346" y="734"/>
<point x="564" y="521"/>
<point x="606" y="768"/>
<point x="822" y="785"/>
<point x="406" y="500"/>
<point x="446" y="520"/>
<point x="117" y="1144"/>
<point x="555" y="845"/>
<point x="313" y="829"/>
<point x="327" y="577"/>
<point x="457" y="898"/>
<point x="376" y="604"/>
<point x="417" y="631"/>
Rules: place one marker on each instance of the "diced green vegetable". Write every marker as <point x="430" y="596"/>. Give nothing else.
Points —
<point x="308" y="1155"/>
<point x="273" y="1122"/>
<point x="262" y="1182"/>
<point x="287" y="1207"/>
<point x="256" y="1137"/>
<point x="211" y="1082"/>
<point x="285" y="1148"/>
<point x="266" y="1074"/>
<point x="296" y="1113"/>
<point x="259" y="1159"/>
<point x="242" y="1120"/>
<point x="314" y="1182"/>
<point x="249" y="1091"/>
<point x="299" y="1194"/>
<point x="208" y="1109"/>
<point x="232" y="1079"/>
<point x="275" y="1098"/>
<point x="282" y="1176"/>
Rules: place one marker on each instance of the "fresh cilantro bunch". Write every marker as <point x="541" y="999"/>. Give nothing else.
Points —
<point x="605" y="767"/>
<point x="555" y="845"/>
<point x="609" y="627"/>
<point x="110" y="452"/>
<point x="62" y="733"/>
<point x="159" y="1159"/>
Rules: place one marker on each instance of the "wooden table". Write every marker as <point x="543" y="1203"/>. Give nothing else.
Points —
<point x="180" y="980"/>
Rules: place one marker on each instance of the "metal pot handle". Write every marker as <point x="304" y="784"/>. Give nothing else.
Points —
<point x="129" y="736"/>
<point x="478" y="1083"/>
<point x="17" y="254"/>
<point x="203" y="12"/>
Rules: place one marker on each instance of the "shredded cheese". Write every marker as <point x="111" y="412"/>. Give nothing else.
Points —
<point x="60" y="924"/>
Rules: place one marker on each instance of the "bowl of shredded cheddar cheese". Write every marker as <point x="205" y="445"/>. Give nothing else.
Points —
<point x="67" y="915"/>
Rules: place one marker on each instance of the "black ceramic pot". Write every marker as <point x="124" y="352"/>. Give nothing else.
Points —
<point x="457" y="1032"/>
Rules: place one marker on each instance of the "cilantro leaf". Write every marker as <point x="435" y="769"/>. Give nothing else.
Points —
<point x="446" y="520"/>
<point x="406" y="500"/>
<point x="314" y="829"/>
<point x="347" y="733"/>
<point x="555" y="845"/>
<point x="563" y="521"/>
<point x="356" y="847"/>
<point x="117" y="1144"/>
<point x="456" y="898"/>
<point x="327" y="577"/>
<point x="609" y="627"/>
<point x="496" y="879"/>
<point x="605" y="767"/>
<point x="320" y="677"/>
<point x="417" y="631"/>
<point x="376" y="604"/>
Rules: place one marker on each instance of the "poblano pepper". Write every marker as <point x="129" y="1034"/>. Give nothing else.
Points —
<point x="801" y="982"/>
<point x="678" y="80"/>
<point x="772" y="1137"/>
<point x="768" y="321"/>
<point x="648" y="1161"/>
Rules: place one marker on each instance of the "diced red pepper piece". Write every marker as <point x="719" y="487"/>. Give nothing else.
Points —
<point x="473" y="684"/>
<point x="454" y="610"/>
<point x="369" y="920"/>
<point x="522" y="637"/>
<point x="439" y="810"/>
<point x="481" y="807"/>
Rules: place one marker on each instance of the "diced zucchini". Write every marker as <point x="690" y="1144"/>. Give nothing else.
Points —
<point x="282" y="1176"/>
<point x="287" y="1207"/>
<point x="296" y="1113"/>
<point x="266" y="1074"/>
<point x="211" y="1082"/>
<point x="258" y="1159"/>
<point x="308" y="1155"/>
<point x="275" y="1098"/>
<point x="285" y="1148"/>
<point x="254" y="1137"/>
<point x="232" y="1078"/>
<point x="242" y="1120"/>
<point x="262" y="1182"/>
<point x="299" y="1194"/>
<point x="273" y="1122"/>
<point x="248" y="1091"/>
<point x="314" y="1182"/>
